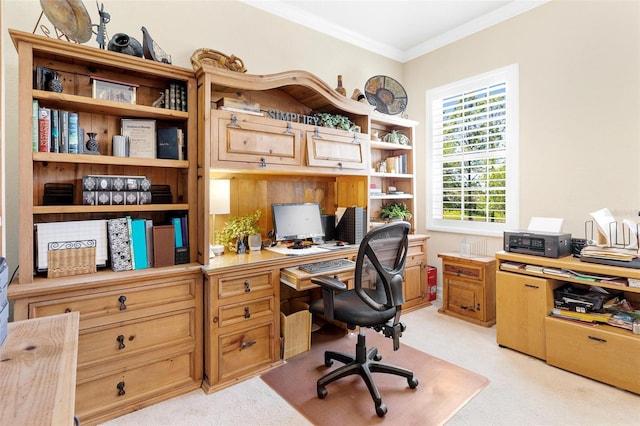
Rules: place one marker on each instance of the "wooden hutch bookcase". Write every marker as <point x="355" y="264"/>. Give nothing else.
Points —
<point x="140" y="330"/>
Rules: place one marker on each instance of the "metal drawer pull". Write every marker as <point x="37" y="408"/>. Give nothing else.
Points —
<point x="288" y="131"/>
<point x="247" y="287"/>
<point x="247" y="314"/>
<point x="597" y="339"/>
<point x="531" y="286"/>
<point x="120" y="340"/>
<point x="245" y="345"/>
<point x="120" y="387"/>
<point x="339" y="166"/>
<point x="234" y="121"/>
<point x="263" y="162"/>
<point x="122" y="299"/>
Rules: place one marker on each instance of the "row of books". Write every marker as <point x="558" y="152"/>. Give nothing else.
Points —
<point x="396" y="164"/>
<point x="175" y="97"/>
<point x="136" y="243"/>
<point x="101" y="190"/>
<point x="55" y="130"/>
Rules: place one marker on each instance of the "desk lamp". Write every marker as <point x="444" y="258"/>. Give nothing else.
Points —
<point x="219" y="203"/>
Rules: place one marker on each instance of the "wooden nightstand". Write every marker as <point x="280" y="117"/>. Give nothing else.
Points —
<point x="469" y="288"/>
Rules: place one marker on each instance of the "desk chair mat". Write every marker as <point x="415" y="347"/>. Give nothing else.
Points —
<point x="443" y="390"/>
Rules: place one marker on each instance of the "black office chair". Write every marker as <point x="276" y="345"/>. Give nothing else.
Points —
<point x="375" y="302"/>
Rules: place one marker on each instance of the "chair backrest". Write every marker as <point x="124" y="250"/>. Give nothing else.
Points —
<point x="380" y="265"/>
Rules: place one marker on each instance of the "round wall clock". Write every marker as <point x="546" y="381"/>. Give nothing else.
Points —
<point x="386" y="94"/>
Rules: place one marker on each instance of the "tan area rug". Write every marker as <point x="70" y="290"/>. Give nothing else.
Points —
<point x="443" y="387"/>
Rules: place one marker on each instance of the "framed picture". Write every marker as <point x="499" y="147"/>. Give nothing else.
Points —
<point x="141" y="137"/>
<point x="110" y="90"/>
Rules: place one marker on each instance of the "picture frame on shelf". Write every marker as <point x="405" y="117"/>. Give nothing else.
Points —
<point x="43" y="74"/>
<point x="140" y="135"/>
<point x="111" y="90"/>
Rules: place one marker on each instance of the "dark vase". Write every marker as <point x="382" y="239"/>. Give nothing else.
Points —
<point x="54" y="85"/>
<point x="122" y="43"/>
<point x="92" y="144"/>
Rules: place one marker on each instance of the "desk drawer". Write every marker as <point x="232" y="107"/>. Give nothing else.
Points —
<point x="470" y="272"/>
<point x="99" y="346"/>
<point x="123" y="304"/>
<point x="246" y="312"/>
<point x="605" y="354"/>
<point x="245" y="284"/>
<point x="415" y="255"/>
<point x="133" y="386"/>
<point x="245" y="351"/>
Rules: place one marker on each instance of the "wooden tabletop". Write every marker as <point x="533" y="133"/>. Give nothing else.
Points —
<point x="38" y="371"/>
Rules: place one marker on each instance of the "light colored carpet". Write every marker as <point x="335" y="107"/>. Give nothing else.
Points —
<point x="523" y="391"/>
<point x="442" y="390"/>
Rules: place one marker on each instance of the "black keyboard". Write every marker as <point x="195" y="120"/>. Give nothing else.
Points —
<point x="326" y="265"/>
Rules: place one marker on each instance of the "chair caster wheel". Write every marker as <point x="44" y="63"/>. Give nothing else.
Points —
<point x="377" y="357"/>
<point x="322" y="392"/>
<point x="413" y="383"/>
<point x="328" y="362"/>
<point x="381" y="410"/>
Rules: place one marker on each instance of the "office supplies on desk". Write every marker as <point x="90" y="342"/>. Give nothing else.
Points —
<point x="297" y="252"/>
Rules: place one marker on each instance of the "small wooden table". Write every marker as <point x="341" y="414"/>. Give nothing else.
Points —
<point x="38" y="371"/>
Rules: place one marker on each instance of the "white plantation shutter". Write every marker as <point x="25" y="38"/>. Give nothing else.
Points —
<point x="472" y="148"/>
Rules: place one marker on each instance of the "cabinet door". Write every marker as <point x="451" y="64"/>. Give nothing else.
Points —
<point x="520" y="313"/>
<point x="414" y="286"/>
<point x="335" y="150"/>
<point x="252" y="142"/>
<point x="465" y="298"/>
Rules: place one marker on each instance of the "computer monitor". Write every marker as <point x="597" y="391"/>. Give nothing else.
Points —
<point x="297" y="222"/>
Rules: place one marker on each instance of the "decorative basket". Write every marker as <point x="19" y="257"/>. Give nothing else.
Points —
<point x="74" y="261"/>
<point x="217" y="59"/>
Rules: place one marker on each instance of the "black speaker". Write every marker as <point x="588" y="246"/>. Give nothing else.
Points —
<point x="329" y="226"/>
<point x="577" y="244"/>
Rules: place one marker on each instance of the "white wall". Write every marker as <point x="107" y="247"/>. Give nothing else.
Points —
<point x="579" y="108"/>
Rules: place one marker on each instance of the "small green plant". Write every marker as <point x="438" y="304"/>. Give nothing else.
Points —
<point x="396" y="210"/>
<point x="238" y="227"/>
<point x="335" y="121"/>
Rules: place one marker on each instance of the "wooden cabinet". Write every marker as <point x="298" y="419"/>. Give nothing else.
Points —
<point x="524" y="303"/>
<point x="415" y="274"/>
<point x="469" y="288"/>
<point x="140" y="337"/>
<point x="241" y="324"/>
<point x="521" y="304"/>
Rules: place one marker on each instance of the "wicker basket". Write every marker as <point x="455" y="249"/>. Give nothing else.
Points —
<point x="74" y="261"/>
<point x="217" y="59"/>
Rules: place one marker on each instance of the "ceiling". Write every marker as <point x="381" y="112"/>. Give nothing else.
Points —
<point x="402" y="29"/>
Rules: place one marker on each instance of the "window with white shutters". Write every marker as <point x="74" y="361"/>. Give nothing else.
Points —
<point x="472" y="137"/>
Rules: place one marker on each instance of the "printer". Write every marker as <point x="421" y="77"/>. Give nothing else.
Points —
<point x="537" y="243"/>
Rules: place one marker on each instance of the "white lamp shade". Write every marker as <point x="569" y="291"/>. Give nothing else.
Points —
<point x="219" y="196"/>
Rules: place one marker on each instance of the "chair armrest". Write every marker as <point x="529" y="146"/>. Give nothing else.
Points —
<point x="329" y="286"/>
<point x="329" y="282"/>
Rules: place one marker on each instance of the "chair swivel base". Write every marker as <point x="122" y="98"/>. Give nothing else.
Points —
<point x="364" y="363"/>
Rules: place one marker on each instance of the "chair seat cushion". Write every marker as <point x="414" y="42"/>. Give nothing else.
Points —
<point x="349" y="308"/>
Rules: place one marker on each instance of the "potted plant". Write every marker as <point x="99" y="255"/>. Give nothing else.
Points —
<point x="395" y="211"/>
<point x="235" y="232"/>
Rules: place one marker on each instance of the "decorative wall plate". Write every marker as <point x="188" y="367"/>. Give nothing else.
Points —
<point x="70" y="17"/>
<point x="386" y="94"/>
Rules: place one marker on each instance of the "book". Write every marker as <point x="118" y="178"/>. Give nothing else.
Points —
<point x="148" y="223"/>
<point x="74" y="134"/>
<point x="64" y="131"/>
<point x="177" y="224"/>
<point x="163" y="245"/>
<point x="130" y="231"/>
<point x="55" y="134"/>
<point x="44" y="129"/>
<point x="139" y="246"/>
<point x="141" y="137"/>
<point x="167" y="143"/>
<point x="119" y="248"/>
<point x="34" y="130"/>
<point x="182" y="149"/>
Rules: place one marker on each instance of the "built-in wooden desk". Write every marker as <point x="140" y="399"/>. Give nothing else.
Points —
<point x="242" y="306"/>
<point x="38" y="371"/>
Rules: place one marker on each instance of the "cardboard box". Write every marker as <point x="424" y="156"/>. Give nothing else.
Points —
<point x="295" y="327"/>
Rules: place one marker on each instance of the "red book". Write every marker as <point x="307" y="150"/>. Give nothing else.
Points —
<point x="44" y="129"/>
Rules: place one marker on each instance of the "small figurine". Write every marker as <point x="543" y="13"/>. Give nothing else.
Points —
<point x="151" y="49"/>
<point x="159" y="103"/>
<point x="101" y="35"/>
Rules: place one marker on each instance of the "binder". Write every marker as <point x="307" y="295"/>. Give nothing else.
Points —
<point x="163" y="245"/>
<point x="177" y="223"/>
<point x="139" y="236"/>
<point x="119" y="247"/>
